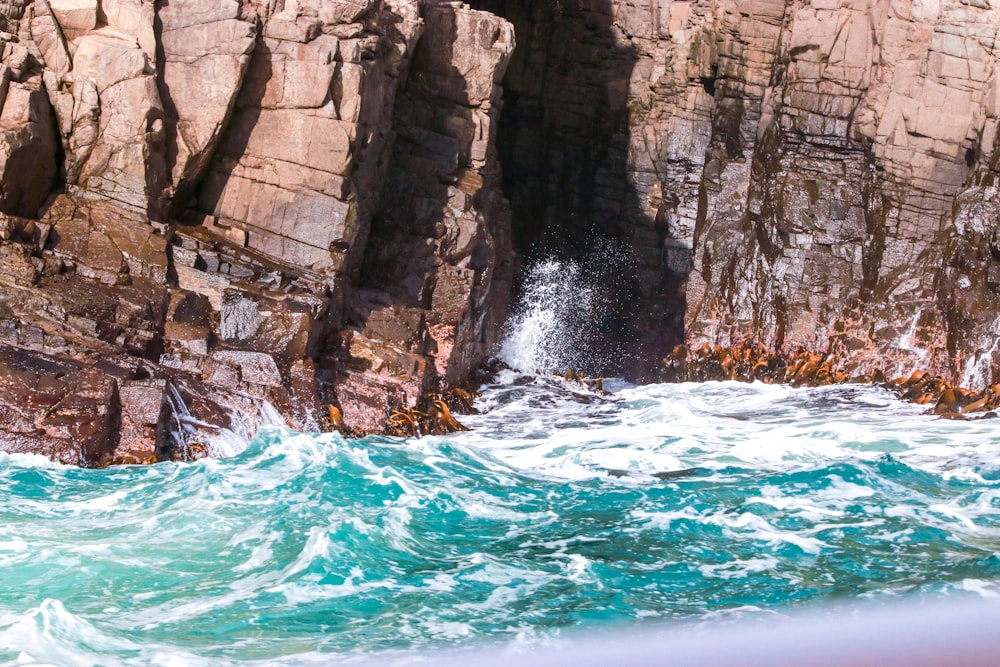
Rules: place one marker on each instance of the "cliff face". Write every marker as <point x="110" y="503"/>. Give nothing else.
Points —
<point x="801" y="173"/>
<point x="846" y="153"/>
<point x="189" y="189"/>
<point x="214" y="206"/>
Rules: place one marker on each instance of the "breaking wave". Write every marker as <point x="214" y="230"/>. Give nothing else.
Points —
<point x="561" y="509"/>
<point x="565" y="316"/>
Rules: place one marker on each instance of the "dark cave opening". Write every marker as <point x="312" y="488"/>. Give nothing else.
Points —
<point x="563" y="145"/>
<point x="563" y="135"/>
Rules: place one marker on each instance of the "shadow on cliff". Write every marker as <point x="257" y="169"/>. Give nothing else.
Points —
<point x="235" y="139"/>
<point x="564" y="147"/>
<point x="434" y="201"/>
<point x="170" y="115"/>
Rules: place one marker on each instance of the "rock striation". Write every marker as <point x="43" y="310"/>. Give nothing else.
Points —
<point x="800" y="173"/>
<point x="187" y="193"/>
<point x="219" y="213"/>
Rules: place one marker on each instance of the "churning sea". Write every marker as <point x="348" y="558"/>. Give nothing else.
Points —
<point x="560" y="511"/>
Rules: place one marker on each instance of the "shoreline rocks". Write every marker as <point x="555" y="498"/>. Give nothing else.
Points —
<point x="815" y="174"/>
<point x="753" y="362"/>
<point x="187" y="196"/>
<point x="209" y="207"/>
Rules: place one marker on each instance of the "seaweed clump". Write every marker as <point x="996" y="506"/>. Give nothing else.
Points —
<point x="753" y="362"/>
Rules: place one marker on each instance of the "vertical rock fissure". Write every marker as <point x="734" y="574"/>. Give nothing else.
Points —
<point x="565" y="147"/>
<point x="435" y="268"/>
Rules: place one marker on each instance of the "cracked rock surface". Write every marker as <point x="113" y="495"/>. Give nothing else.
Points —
<point x="212" y="210"/>
<point x="187" y="192"/>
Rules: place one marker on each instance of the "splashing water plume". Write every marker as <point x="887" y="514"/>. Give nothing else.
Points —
<point x="557" y="322"/>
<point x="544" y="332"/>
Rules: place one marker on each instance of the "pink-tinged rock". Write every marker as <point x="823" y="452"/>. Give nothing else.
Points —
<point x="89" y="415"/>
<point x="298" y="168"/>
<point x="376" y="376"/>
<point x="28" y="148"/>
<point x="443" y="207"/>
<point x="254" y="367"/>
<point x="467" y="69"/>
<point x="46" y="33"/>
<point x="75" y="17"/>
<point x="206" y="49"/>
<point x="143" y="406"/>
<point x="134" y="18"/>
<point x="108" y="239"/>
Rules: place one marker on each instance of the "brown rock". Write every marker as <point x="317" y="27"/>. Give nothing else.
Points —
<point x="89" y="416"/>
<point x="820" y="177"/>
<point x="27" y="148"/>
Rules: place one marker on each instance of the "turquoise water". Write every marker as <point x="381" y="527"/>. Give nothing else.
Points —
<point x="561" y="510"/>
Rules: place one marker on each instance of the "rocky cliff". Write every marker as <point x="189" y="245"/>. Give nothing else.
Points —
<point x="212" y="207"/>
<point x="847" y="162"/>
<point x="802" y="173"/>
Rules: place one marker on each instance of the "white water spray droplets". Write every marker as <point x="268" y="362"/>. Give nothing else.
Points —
<point x="977" y="368"/>
<point x="219" y="441"/>
<point x="550" y="328"/>
<point x="906" y="342"/>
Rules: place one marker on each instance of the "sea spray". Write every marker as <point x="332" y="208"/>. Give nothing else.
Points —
<point x="185" y="430"/>
<point x="561" y="509"/>
<point x="567" y="315"/>
<point x="548" y="326"/>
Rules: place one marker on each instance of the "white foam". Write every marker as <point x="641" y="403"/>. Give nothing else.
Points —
<point x="906" y="342"/>
<point x="986" y="589"/>
<point x="552" y="429"/>
<point x="51" y="635"/>
<point x="738" y="569"/>
<point x="978" y="367"/>
<point x="748" y="525"/>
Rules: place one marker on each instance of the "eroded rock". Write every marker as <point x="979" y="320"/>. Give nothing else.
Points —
<point x="301" y="204"/>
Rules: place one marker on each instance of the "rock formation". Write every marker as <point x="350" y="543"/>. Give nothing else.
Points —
<point x="212" y="207"/>
<point x="803" y="173"/>
<point x="187" y="193"/>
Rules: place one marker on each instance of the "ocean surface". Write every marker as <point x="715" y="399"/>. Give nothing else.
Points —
<point x="562" y="510"/>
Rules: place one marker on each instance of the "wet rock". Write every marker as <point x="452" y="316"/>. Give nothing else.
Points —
<point x="57" y="408"/>
<point x="142" y="403"/>
<point x="755" y="363"/>
<point x="90" y="416"/>
<point x="198" y="420"/>
<point x="303" y="203"/>
<point x="253" y="367"/>
<point x="437" y="276"/>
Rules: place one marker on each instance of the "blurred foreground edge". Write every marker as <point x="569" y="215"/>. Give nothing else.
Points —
<point x="917" y="632"/>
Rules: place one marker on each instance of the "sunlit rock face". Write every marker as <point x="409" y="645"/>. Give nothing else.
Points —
<point x="813" y="174"/>
<point x="188" y="189"/>
<point x="215" y="209"/>
<point x="847" y="142"/>
<point x="844" y="153"/>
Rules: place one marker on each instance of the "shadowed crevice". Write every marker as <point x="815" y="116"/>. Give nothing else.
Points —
<point x="564" y="143"/>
